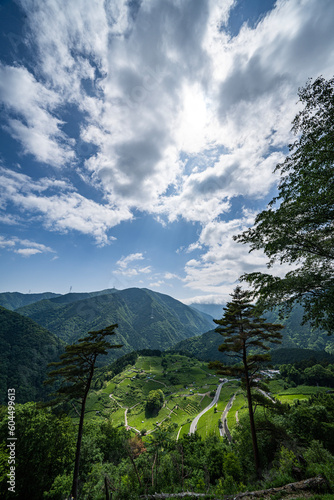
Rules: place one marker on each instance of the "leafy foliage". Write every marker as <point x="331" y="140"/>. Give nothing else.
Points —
<point x="300" y="231"/>
<point x="154" y="401"/>
<point x="44" y="449"/>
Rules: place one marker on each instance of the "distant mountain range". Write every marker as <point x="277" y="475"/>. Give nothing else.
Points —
<point x="14" y="300"/>
<point x="295" y="336"/>
<point x="214" y="310"/>
<point x="36" y="332"/>
<point x="146" y="319"/>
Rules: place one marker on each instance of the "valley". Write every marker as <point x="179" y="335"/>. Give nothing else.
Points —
<point x="188" y="388"/>
<point x="156" y="417"/>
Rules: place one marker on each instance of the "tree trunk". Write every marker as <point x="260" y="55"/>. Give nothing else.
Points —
<point x="136" y="470"/>
<point x="251" y="418"/>
<point x="75" y="483"/>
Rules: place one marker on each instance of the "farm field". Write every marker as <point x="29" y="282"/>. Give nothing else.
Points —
<point x="187" y="386"/>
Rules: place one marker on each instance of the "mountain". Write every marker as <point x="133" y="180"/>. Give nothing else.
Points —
<point x="26" y="349"/>
<point x="68" y="298"/>
<point x="298" y="335"/>
<point x="288" y="356"/>
<point x="14" y="300"/>
<point x="146" y="319"/>
<point x="214" y="310"/>
<point x="295" y="336"/>
<point x="204" y="347"/>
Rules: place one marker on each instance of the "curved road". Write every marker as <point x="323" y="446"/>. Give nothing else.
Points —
<point x="193" y="425"/>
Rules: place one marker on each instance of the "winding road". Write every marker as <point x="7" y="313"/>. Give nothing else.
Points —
<point x="224" y="430"/>
<point x="193" y="425"/>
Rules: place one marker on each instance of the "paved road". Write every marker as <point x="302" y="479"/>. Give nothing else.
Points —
<point x="224" y="430"/>
<point x="193" y="425"/>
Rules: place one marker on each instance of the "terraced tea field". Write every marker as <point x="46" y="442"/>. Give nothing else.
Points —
<point x="188" y="387"/>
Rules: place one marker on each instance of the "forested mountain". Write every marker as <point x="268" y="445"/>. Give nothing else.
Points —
<point x="26" y="348"/>
<point x="295" y="336"/>
<point x="14" y="300"/>
<point x="214" y="310"/>
<point x="146" y="319"/>
<point x="68" y="298"/>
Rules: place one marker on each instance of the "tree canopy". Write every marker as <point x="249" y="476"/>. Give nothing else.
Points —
<point x="297" y="227"/>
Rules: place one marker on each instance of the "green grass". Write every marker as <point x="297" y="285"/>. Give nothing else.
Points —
<point x="289" y="398"/>
<point x="208" y="424"/>
<point x="301" y="392"/>
<point x="305" y="389"/>
<point x="238" y="403"/>
<point x="185" y="430"/>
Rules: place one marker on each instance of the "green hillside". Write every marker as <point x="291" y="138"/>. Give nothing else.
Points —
<point x="14" y="300"/>
<point x="295" y="336"/>
<point x="146" y="319"/>
<point x="68" y="298"/>
<point x="187" y="385"/>
<point x="26" y="349"/>
<point x="122" y="391"/>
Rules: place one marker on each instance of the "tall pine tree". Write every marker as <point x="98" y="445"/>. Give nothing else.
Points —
<point x="76" y="370"/>
<point x="245" y="335"/>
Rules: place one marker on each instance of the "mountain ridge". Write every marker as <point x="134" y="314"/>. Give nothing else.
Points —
<point x="146" y="319"/>
<point x="14" y="300"/>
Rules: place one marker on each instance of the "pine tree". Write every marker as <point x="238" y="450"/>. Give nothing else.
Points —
<point x="245" y="334"/>
<point x="76" y="370"/>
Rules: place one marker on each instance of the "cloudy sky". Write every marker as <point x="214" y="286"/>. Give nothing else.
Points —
<point x="138" y="136"/>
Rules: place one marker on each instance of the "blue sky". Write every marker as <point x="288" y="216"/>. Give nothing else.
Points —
<point x="138" y="137"/>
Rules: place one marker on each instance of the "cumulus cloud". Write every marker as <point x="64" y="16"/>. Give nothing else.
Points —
<point x="124" y="261"/>
<point x="223" y="261"/>
<point x="61" y="207"/>
<point x="161" y="81"/>
<point x="30" y="120"/>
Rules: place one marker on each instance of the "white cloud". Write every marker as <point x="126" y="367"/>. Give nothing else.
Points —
<point x="206" y="299"/>
<point x="156" y="284"/>
<point x="37" y="129"/>
<point x="27" y="252"/>
<point x="171" y="276"/>
<point x="223" y="261"/>
<point x="62" y="208"/>
<point x="124" y="261"/>
<point x="5" y="243"/>
<point x="24" y="247"/>
<point x="162" y="81"/>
